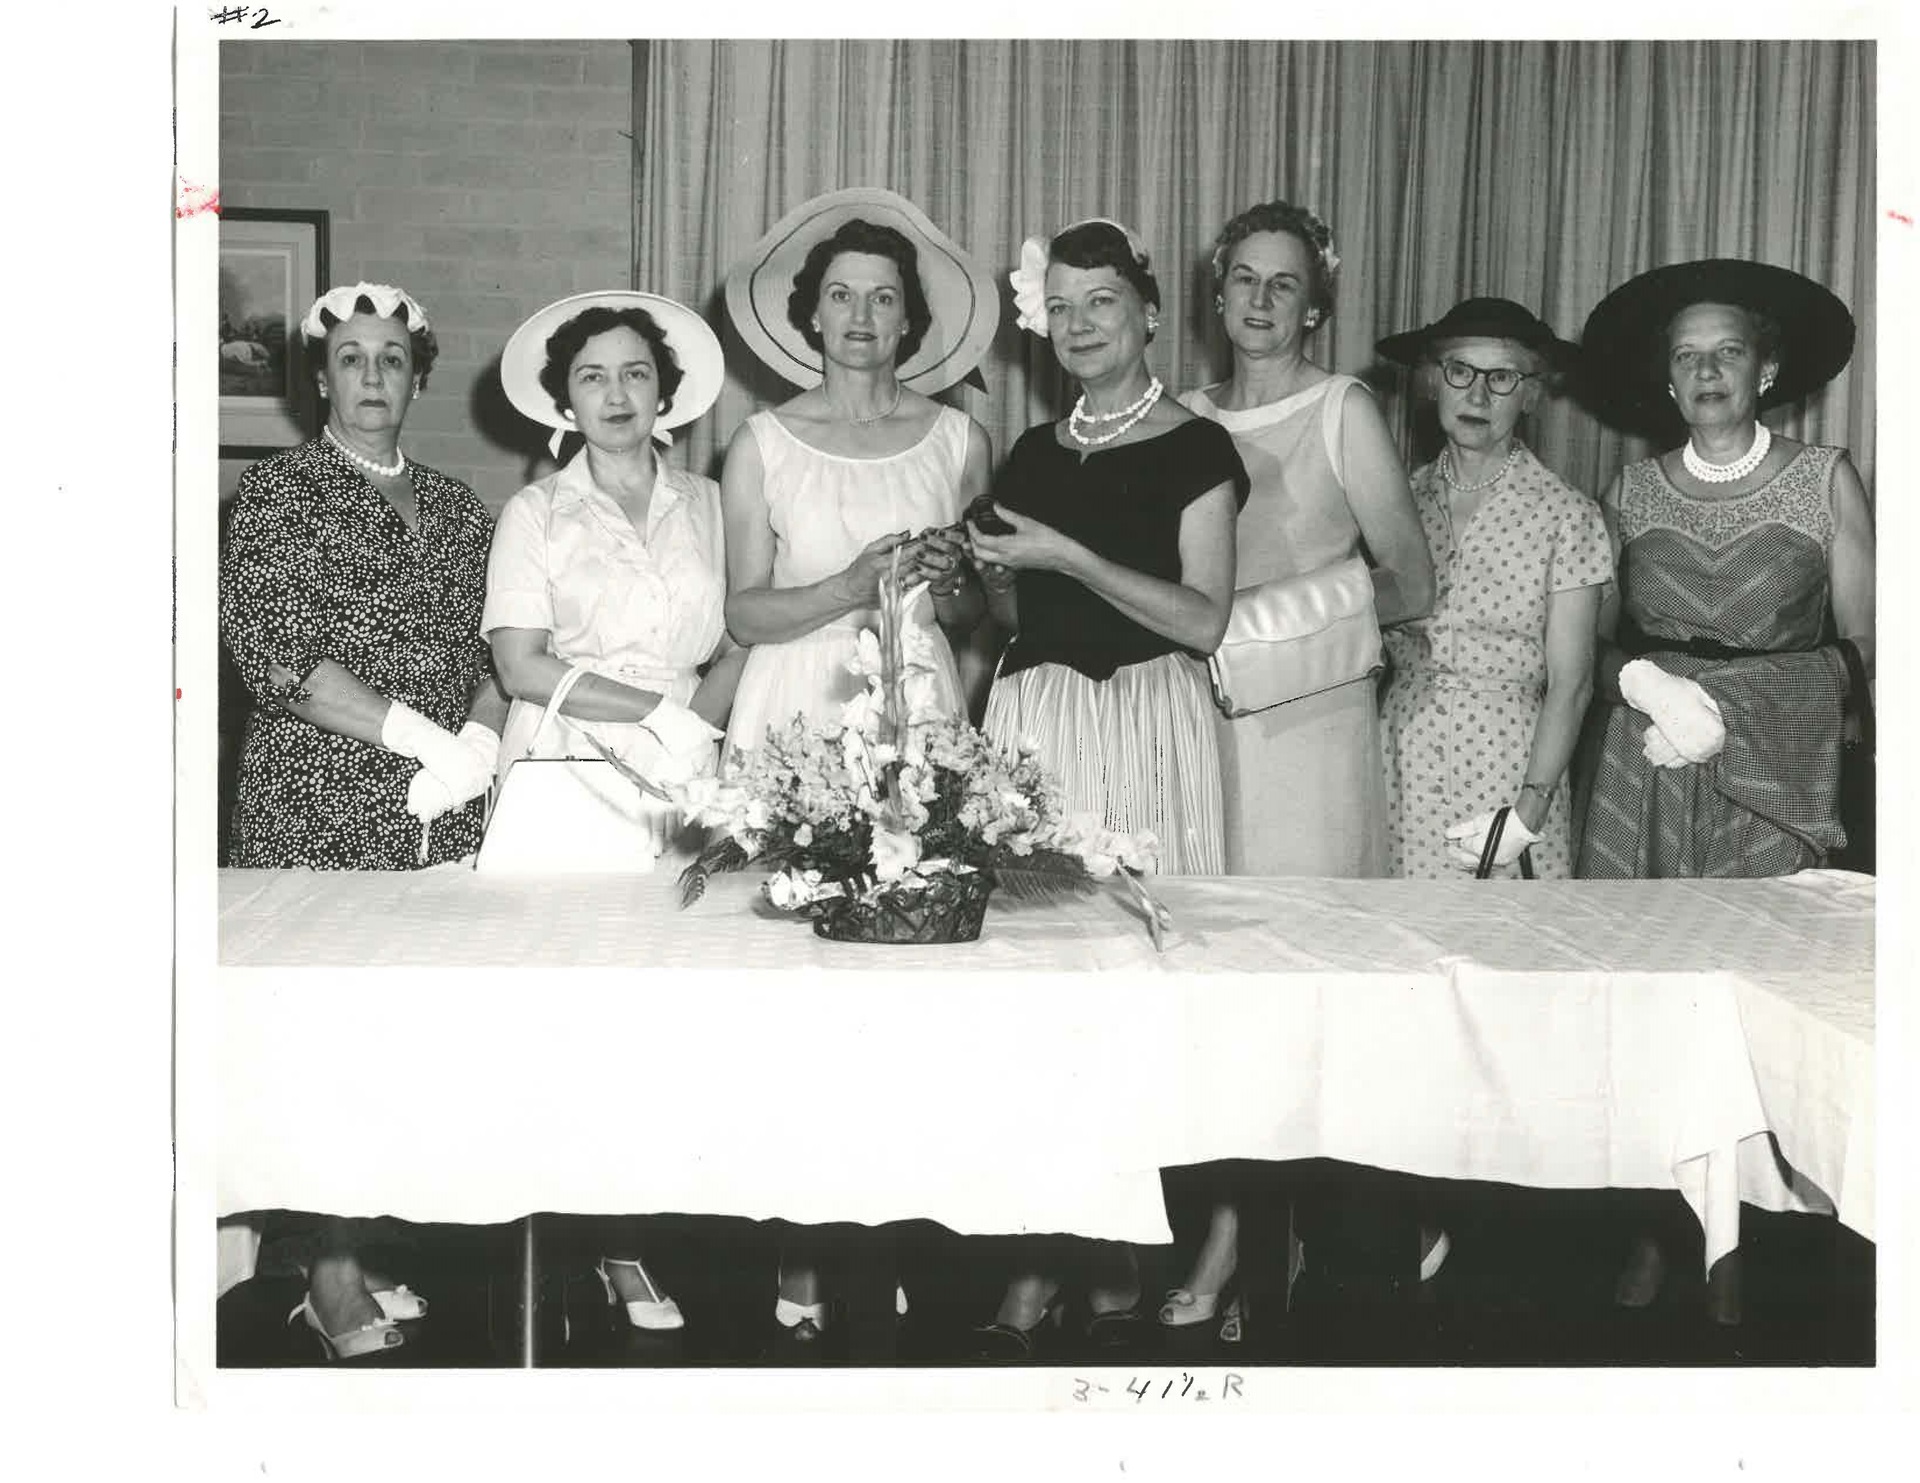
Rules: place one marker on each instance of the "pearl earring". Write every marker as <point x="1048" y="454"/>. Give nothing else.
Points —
<point x="568" y="414"/>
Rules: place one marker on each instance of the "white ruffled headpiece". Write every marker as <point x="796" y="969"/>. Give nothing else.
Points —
<point x="1029" y="280"/>
<point x="388" y="302"/>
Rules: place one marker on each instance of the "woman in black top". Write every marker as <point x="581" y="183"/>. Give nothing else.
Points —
<point x="1114" y="570"/>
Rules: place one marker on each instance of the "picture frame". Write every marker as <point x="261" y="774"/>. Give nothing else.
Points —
<point x="272" y="266"/>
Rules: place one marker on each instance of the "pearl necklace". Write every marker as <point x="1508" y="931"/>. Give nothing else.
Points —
<point x="898" y="388"/>
<point x="1446" y="471"/>
<point x="378" y="470"/>
<point x="1726" y="473"/>
<point x="1127" y="416"/>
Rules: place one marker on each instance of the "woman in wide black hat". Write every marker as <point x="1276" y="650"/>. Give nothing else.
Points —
<point x="1744" y="614"/>
<point x="1489" y="690"/>
<point x="1745" y="609"/>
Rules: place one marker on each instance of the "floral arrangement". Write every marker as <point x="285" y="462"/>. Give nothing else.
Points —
<point x="897" y="811"/>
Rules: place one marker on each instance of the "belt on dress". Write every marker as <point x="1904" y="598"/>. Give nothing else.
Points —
<point x="1477" y="685"/>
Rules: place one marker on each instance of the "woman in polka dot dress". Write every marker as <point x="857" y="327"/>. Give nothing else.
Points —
<point x="351" y="588"/>
<point x="1489" y="691"/>
<point x="350" y="594"/>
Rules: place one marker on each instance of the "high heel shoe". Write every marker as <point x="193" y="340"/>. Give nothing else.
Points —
<point x="656" y="1311"/>
<point x="401" y="1304"/>
<point x="1011" y="1344"/>
<point x="1184" y="1309"/>
<point x="369" y="1338"/>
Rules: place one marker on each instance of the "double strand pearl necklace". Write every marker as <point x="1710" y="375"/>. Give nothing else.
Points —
<point x="1127" y="416"/>
<point x="378" y="470"/>
<point x="882" y="416"/>
<point x="1446" y="471"/>
<point x="1726" y="473"/>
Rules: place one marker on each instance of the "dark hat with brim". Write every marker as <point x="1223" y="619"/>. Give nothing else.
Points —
<point x="1482" y="319"/>
<point x="1625" y="338"/>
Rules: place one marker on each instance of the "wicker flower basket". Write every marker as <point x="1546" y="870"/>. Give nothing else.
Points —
<point x="952" y="911"/>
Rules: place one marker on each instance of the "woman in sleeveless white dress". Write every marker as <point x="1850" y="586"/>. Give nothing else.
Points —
<point x="1302" y="781"/>
<point x="822" y="510"/>
<point x="821" y="495"/>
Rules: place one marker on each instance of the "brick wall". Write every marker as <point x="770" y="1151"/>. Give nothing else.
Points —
<point x="484" y="177"/>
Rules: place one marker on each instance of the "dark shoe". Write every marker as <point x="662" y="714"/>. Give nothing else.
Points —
<point x="1002" y="1343"/>
<point x="1115" y="1330"/>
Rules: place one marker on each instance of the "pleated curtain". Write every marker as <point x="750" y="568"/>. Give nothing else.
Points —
<point x="1546" y="172"/>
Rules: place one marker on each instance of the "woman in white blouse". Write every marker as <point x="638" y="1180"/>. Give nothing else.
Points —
<point x="615" y="564"/>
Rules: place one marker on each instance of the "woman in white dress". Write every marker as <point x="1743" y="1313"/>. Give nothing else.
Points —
<point x="1302" y="780"/>
<point x="615" y="563"/>
<point x="825" y="491"/>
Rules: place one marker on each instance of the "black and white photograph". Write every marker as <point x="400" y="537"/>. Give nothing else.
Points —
<point x="1078" y="724"/>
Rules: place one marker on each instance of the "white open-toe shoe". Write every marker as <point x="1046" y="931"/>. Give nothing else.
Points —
<point x="656" y="1311"/>
<point x="369" y="1338"/>
<point x="1183" y="1309"/>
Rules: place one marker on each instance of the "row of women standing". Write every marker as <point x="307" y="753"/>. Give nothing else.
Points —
<point x="390" y="639"/>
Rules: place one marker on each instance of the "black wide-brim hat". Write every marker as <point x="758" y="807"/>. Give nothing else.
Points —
<point x="1482" y="319"/>
<point x="1624" y="341"/>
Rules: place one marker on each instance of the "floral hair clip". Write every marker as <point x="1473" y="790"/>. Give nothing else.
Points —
<point x="1323" y="241"/>
<point x="388" y="302"/>
<point x="1029" y="280"/>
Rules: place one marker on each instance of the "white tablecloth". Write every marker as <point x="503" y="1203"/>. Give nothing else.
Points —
<point x="1567" y="1034"/>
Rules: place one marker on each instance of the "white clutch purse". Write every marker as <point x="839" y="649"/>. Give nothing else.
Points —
<point x="1296" y="636"/>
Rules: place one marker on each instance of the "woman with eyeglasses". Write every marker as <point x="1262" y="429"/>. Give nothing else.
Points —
<point x="1489" y="690"/>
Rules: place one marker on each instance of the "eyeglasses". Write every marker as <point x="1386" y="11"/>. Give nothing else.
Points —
<point x="1501" y="381"/>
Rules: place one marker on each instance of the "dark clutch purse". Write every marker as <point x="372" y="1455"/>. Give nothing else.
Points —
<point x="980" y="515"/>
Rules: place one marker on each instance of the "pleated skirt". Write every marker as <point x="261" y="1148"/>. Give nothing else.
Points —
<point x="1138" y="750"/>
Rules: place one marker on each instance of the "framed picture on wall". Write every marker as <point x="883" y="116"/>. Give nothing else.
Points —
<point x="273" y="265"/>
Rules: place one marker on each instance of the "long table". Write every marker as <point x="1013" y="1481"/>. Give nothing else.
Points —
<point x="587" y="1045"/>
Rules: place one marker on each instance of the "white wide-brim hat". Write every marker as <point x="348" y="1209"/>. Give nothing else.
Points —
<point x="693" y="342"/>
<point x="964" y="299"/>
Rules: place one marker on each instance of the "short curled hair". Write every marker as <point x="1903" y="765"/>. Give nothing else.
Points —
<point x="1296" y="221"/>
<point x="422" y="347"/>
<point x="1101" y="244"/>
<point x="566" y="343"/>
<point x="875" y="241"/>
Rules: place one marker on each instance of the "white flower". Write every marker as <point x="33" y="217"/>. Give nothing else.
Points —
<point x="862" y="713"/>
<point x="783" y="890"/>
<point x="803" y="836"/>
<point x="865" y="658"/>
<point x="894" y="853"/>
<point x="1029" y="282"/>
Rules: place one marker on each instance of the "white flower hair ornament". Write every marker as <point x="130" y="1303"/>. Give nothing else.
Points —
<point x="1029" y="280"/>
<point x="388" y="302"/>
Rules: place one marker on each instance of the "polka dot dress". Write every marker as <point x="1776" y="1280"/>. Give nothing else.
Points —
<point x="1469" y="679"/>
<point x="317" y="565"/>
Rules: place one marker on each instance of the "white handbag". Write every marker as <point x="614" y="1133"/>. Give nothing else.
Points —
<point x="572" y="816"/>
<point x="1296" y="636"/>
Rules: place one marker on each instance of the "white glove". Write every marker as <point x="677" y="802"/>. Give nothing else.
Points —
<point x="1659" y="751"/>
<point x="459" y="767"/>
<point x="1680" y="707"/>
<point x="1470" y="838"/>
<point x="671" y="747"/>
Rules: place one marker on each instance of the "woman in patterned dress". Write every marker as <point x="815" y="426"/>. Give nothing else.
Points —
<point x="1110" y="559"/>
<point x="615" y="563"/>
<point x="1745" y="614"/>
<point x="350" y="594"/>
<point x="1489" y="690"/>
